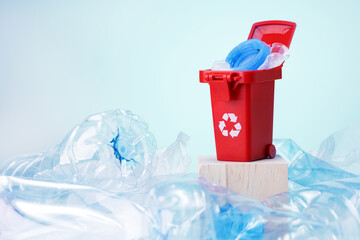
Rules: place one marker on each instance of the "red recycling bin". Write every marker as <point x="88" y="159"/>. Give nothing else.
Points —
<point x="243" y="101"/>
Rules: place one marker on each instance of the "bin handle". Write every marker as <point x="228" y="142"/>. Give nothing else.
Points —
<point x="228" y="76"/>
<point x="220" y="84"/>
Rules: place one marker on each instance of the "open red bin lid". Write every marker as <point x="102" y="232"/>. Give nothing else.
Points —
<point x="273" y="31"/>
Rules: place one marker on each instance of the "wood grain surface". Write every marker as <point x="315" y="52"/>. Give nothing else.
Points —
<point x="258" y="180"/>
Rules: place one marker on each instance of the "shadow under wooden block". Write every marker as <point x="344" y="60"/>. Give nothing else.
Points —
<point x="257" y="180"/>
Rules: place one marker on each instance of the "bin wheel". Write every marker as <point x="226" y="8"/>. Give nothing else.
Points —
<point x="271" y="151"/>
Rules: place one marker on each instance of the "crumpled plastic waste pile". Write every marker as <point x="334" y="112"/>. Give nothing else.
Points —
<point x="253" y="54"/>
<point x="108" y="180"/>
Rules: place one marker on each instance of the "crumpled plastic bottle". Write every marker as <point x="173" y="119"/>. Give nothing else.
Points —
<point x="221" y="65"/>
<point x="279" y="53"/>
<point x="112" y="150"/>
<point x="342" y="149"/>
<point x="40" y="200"/>
<point x="306" y="169"/>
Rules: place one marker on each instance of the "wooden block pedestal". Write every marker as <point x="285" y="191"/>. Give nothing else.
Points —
<point x="257" y="180"/>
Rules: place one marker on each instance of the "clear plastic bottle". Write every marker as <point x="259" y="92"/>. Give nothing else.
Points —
<point x="111" y="150"/>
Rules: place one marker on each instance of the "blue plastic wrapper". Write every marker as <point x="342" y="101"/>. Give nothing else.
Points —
<point x="108" y="180"/>
<point x="248" y="55"/>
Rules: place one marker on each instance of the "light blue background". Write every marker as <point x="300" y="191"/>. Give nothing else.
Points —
<point x="63" y="60"/>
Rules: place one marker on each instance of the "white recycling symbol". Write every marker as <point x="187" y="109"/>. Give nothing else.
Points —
<point x="233" y="118"/>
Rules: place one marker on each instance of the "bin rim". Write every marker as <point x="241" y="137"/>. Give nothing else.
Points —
<point x="244" y="77"/>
